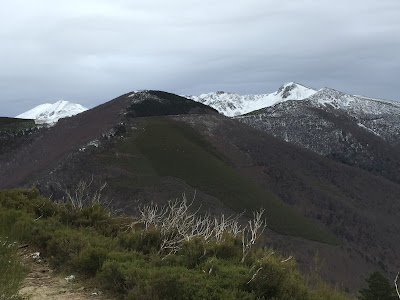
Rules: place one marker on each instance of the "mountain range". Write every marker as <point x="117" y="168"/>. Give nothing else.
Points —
<point x="153" y="146"/>
<point x="231" y="104"/>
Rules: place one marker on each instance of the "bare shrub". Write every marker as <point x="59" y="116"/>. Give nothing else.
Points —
<point x="83" y="194"/>
<point x="252" y="232"/>
<point x="179" y="223"/>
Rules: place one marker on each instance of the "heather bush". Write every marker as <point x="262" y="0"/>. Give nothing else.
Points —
<point x="90" y="259"/>
<point x="81" y="249"/>
<point x="275" y="277"/>
<point x="11" y="270"/>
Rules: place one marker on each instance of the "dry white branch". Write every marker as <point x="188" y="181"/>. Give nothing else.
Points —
<point x="82" y="194"/>
<point x="255" y="274"/>
<point x="252" y="232"/>
<point x="38" y="217"/>
<point x="152" y="214"/>
<point x="287" y="259"/>
<point x="395" y="284"/>
<point x="177" y="223"/>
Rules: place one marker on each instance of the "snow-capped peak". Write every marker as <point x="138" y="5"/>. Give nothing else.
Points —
<point x="51" y="113"/>
<point x="294" y="91"/>
<point x="231" y="104"/>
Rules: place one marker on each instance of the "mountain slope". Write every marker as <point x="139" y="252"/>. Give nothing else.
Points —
<point x="177" y="150"/>
<point x="356" y="131"/>
<point x="233" y="104"/>
<point x="381" y="117"/>
<point x="51" y="113"/>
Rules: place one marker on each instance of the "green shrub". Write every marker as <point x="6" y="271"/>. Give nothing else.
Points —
<point x="92" y="215"/>
<point x="275" y="277"/>
<point x="145" y="241"/>
<point x="230" y="248"/>
<point x="194" y="252"/>
<point x="323" y="291"/>
<point x="112" y="277"/>
<point x="90" y="259"/>
<point x="64" y="245"/>
<point x="82" y="249"/>
<point x="122" y="277"/>
<point x="28" y="200"/>
<point x="127" y="256"/>
<point x="216" y="280"/>
<point x="22" y="227"/>
<point x="378" y="288"/>
<point x="12" y="272"/>
<point x="161" y="283"/>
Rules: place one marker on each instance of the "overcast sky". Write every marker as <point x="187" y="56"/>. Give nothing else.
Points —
<point x="89" y="52"/>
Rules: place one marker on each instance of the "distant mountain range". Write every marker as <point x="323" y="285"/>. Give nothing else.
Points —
<point x="50" y="113"/>
<point x="231" y="104"/>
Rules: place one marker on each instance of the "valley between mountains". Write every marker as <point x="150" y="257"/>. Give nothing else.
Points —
<point x="325" y="165"/>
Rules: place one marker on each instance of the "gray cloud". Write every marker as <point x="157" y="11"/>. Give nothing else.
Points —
<point x="92" y="51"/>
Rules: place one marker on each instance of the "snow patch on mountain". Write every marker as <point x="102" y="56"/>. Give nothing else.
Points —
<point x="354" y="105"/>
<point x="50" y="113"/>
<point x="231" y="104"/>
<point x="368" y="129"/>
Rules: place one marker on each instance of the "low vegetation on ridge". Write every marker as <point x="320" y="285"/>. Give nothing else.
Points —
<point x="158" y="103"/>
<point x="13" y="131"/>
<point x="165" y="252"/>
<point x="13" y="125"/>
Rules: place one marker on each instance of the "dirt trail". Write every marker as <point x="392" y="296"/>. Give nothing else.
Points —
<point x="42" y="283"/>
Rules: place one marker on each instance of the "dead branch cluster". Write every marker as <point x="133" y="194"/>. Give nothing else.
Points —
<point x="177" y="223"/>
<point x="83" y="194"/>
